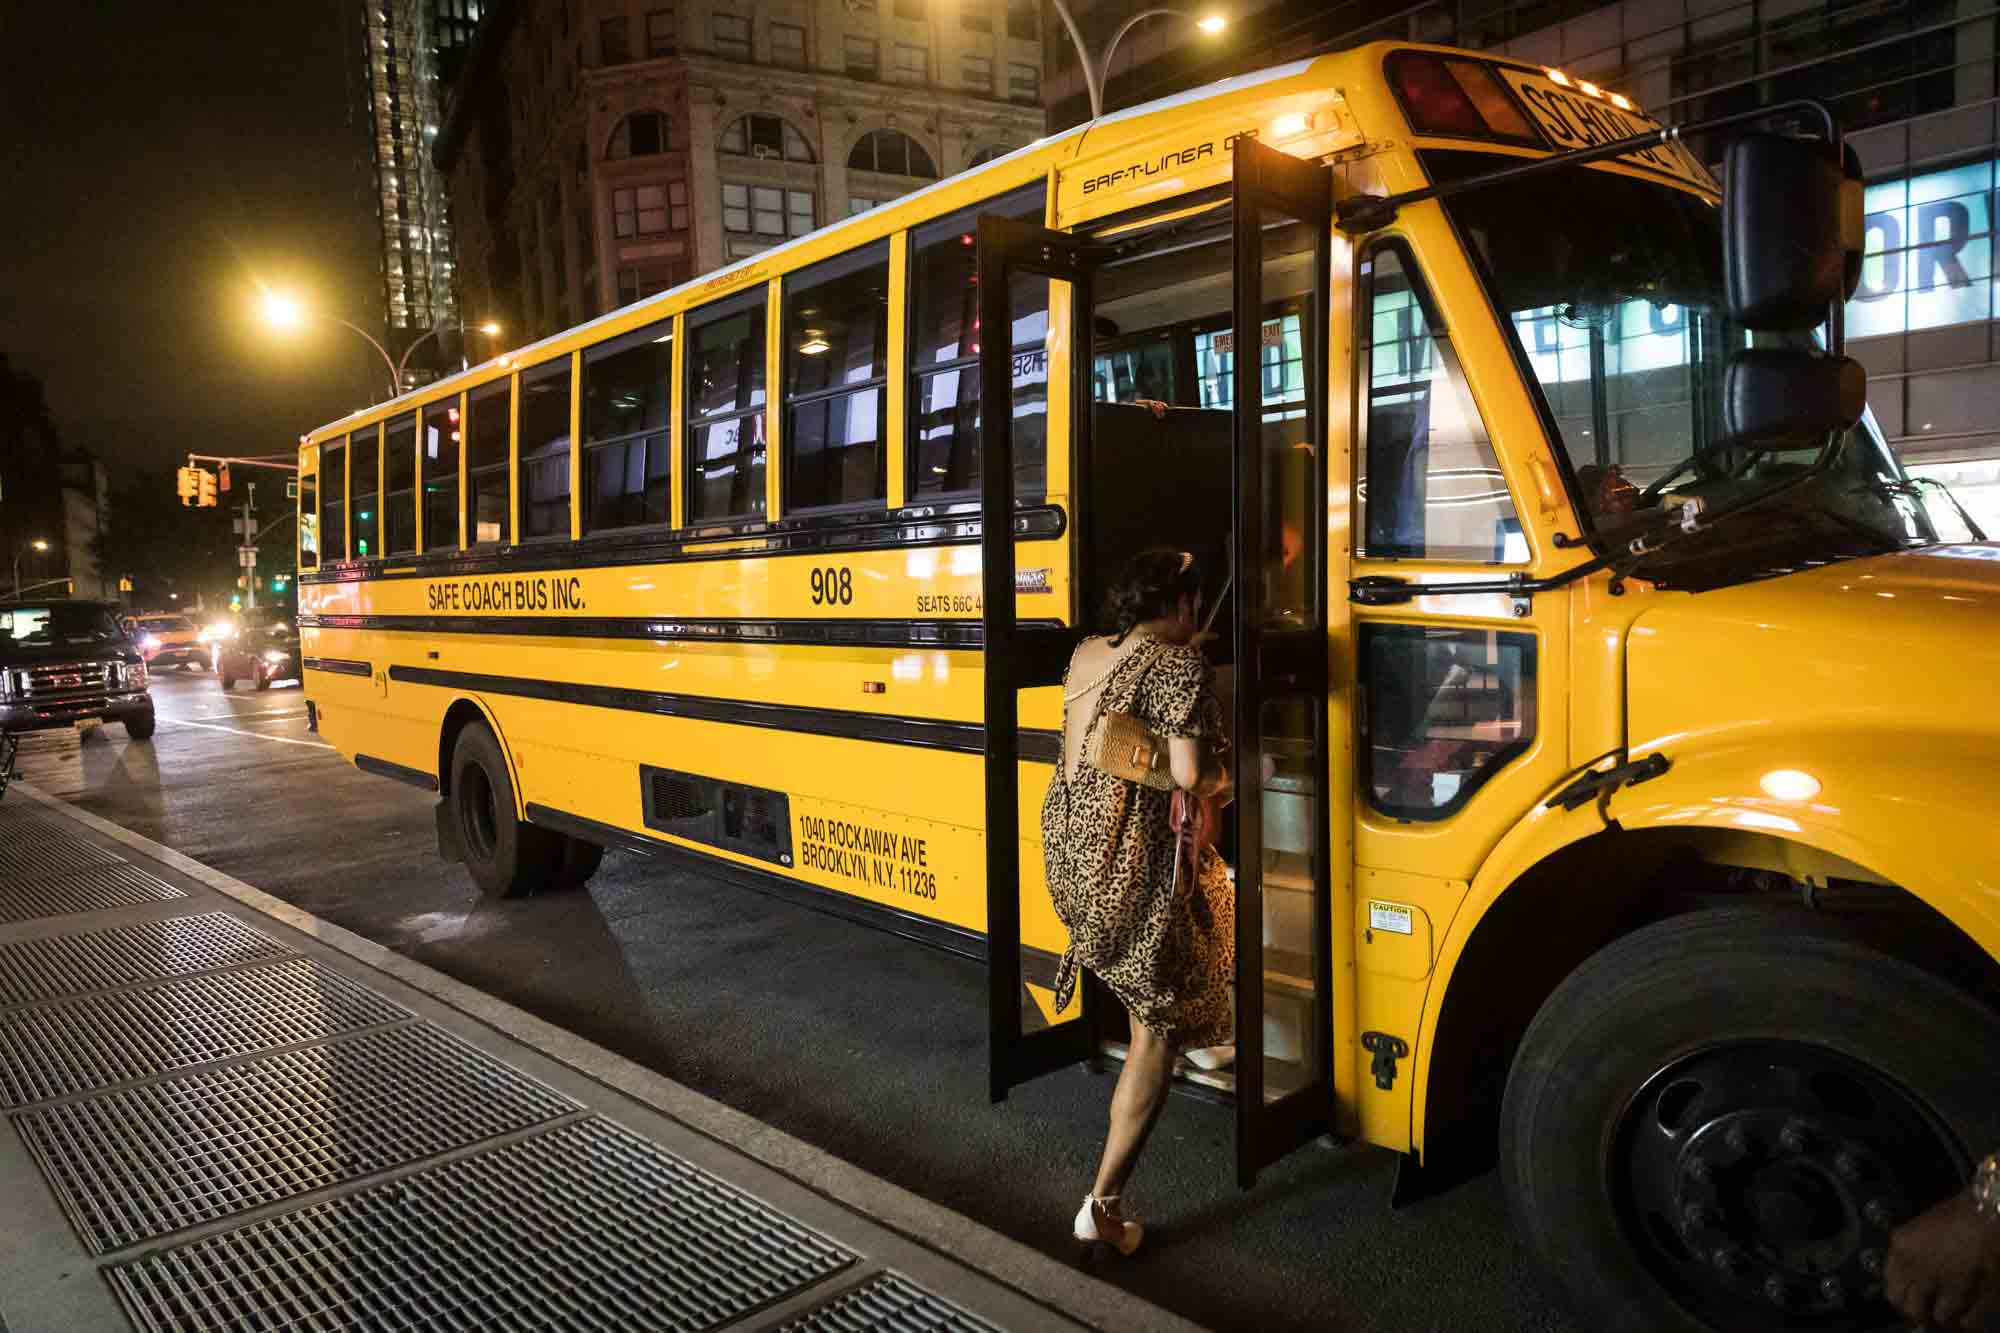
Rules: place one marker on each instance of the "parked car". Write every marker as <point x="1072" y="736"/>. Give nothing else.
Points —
<point x="169" y="640"/>
<point x="62" y="661"/>
<point x="262" y="653"/>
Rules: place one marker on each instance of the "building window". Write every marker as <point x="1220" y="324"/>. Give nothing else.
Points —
<point x="944" y="358"/>
<point x="973" y="16"/>
<point x="487" y="502"/>
<point x="627" y="457"/>
<point x="1024" y="83"/>
<point x="864" y="59"/>
<point x="399" y="503"/>
<point x="985" y="155"/>
<point x="732" y="36"/>
<point x="856" y="204"/>
<point x="438" y="442"/>
<point x="760" y="134"/>
<point x="662" y="38"/>
<point x="545" y="449"/>
<point x="725" y="409"/>
<point x="766" y="211"/>
<point x="1023" y="22"/>
<point x="640" y="210"/>
<point x="893" y="153"/>
<point x="912" y="62"/>
<point x="614" y="45"/>
<point x="643" y="280"/>
<point x="836" y="382"/>
<point x="641" y="134"/>
<point x="788" y="44"/>
<point x="976" y="72"/>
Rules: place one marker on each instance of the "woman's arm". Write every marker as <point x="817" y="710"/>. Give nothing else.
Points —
<point x="1195" y="767"/>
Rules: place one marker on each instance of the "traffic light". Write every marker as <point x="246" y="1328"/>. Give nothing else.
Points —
<point x="187" y="484"/>
<point x="222" y="477"/>
<point x="207" y="497"/>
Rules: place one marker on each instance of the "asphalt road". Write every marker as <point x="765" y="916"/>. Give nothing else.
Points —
<point x="865" y="1045"/>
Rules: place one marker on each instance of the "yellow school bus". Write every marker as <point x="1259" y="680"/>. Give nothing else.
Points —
<point x="1610" y="711"/>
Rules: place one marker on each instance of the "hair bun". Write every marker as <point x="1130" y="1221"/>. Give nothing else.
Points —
<point x="1151" y="585"/>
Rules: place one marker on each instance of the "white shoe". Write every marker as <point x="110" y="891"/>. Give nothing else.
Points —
<point x="1091" y="1231"/>
<point x="1212" y="1057"/>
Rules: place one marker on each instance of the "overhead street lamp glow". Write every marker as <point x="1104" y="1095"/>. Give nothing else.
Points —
<point x="490" y="329"/>
<point x="38" y="544"/>
<point x="1095" y="72"/>
<point x="282" y="312"/>
<point x="287" y="313"/>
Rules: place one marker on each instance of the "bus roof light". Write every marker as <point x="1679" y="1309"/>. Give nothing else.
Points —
<point x="1461" y="98"/>
<point x="1557" y="77"/>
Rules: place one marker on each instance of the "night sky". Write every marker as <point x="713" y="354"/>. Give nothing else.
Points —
<point x="156" y="160"/>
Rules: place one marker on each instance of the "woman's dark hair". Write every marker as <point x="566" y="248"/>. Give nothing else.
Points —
<point x="1151" y="585"/>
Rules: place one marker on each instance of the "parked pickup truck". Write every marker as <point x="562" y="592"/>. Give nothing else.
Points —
<point x="62" y="661"/>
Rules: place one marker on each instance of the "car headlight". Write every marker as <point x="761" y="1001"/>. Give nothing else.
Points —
<point x="277" y="655"/>
<point x="151" y="643"/>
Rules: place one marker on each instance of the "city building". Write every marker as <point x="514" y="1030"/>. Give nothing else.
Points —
<point x="86" y="499"/>
<point x="1914" y="85"/>
<point x="598" y="151"/>
<point x="411" y="47"/>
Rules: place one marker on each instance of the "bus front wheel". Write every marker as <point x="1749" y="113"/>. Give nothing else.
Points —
<point x="1716" y="1122"/>
<point x="508" y="857"/>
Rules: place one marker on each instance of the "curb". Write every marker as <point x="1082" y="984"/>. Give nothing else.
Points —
<point x="1049" y="1282"/>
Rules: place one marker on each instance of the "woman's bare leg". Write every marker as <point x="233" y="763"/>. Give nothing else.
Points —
<point x="1135" y="1107"/>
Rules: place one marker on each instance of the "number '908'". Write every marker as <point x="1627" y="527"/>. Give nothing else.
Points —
<point x="833" y="587"/>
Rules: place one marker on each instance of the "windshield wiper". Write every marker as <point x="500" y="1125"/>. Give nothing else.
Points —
<point x="1909" y="489"/>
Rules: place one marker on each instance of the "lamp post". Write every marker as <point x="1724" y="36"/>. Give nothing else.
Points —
<point x="1096" y="71"/>
<point x="489" y="328"/>
<point x="38" y="546"/>
<point x="285" y="312"/>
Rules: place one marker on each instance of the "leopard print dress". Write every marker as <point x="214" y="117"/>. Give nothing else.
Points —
<point x="1168" y="953"/>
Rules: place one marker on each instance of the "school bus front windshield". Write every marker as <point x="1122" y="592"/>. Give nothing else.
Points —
<point x="1613" y="301"/>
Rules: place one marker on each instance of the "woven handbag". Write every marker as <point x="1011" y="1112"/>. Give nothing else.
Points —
<point x="1125" y="748"/>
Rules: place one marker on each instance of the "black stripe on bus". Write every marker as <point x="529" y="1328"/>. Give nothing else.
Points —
<point x="382" y="768"/>
<point x="953" y="939"/>
<point x="339" y="666"/>
<point x="887" y="729"/>
<point x="969" y="634"/>
<point x="824" y="536"/>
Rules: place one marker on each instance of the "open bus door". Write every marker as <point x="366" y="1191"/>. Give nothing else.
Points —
<point x="1278" y="243"/>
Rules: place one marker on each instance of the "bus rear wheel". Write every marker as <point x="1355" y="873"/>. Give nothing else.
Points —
<point x="508" y="857"/>
<point x="1715" y="1123"/>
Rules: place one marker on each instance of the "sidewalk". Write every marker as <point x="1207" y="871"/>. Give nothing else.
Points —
<point x="229" y="1114"/>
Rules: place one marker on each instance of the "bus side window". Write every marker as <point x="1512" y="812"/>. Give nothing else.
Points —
<point x="1445" y="709"/>
<point x="399" y="504"/>
<point x="627" y="451"/>
<point x="437" y="442"/>
<point x="365" y="491"/>
<point x="836" y="382"/>
<point x="545" y="449"/>
<point x="1430" y="486"/>
<point x="487" y="500"/>
<point x="944" y="357"/>
<point x="725" y="409"/>
<point x="309" y="520"/>
<point x="333" y="498"/>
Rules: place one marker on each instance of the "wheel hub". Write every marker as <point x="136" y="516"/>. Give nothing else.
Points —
<point x="1761" y="1182"/>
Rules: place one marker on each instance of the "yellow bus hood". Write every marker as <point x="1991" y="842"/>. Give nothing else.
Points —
<point x="1896" y="644"/>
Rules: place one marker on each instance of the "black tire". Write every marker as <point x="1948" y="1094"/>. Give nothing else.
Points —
<point x="508" y="858"/>
<point x="580" y="861"/>
<point x="263" y="681"/>
<point x="227" y="681"/>
<point x="1717" y="1116"/>
<point x="141" y="727"/>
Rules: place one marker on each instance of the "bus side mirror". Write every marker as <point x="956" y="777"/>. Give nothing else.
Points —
<point x="1792" y="230"/>
<point x="1784" y="393"/>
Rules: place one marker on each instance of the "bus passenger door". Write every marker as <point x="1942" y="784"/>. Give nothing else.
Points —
<point x="1016" y="260"/>
<point x="1282" y="722"/>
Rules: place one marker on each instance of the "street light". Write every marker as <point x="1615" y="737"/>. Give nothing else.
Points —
<point x="38" y="545"/>
<point x="1096" y="71"/>
<point x="490" y="328"/>
<point x="288" y="313"/>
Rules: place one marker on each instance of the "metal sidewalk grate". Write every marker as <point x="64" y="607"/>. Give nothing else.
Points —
<point x="72" y="964"/>
<point x="887" y="1304"/>
<point x="94" y="1041"/>
<point x="581" y="1227"/>
<point x="32" y="848"/>
<point x="91" y="888"/>
<point x="145" y="1161"/>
